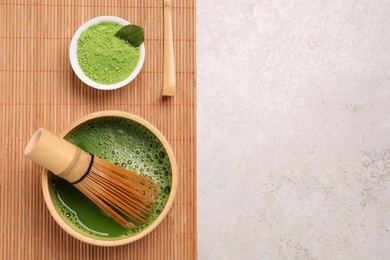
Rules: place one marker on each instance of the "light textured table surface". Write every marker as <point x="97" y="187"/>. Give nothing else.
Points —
<point x="293" y="129"/>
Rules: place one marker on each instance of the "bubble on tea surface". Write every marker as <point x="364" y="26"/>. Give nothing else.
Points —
<point x="167" y="189"/>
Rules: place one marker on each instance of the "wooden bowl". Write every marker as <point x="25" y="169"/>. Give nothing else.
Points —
<point x="58" y="217"/>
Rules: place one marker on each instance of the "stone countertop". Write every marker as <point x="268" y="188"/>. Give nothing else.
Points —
<point x="293" y="129"/>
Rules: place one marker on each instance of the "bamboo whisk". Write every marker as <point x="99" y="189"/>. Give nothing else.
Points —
<point x="124" y="195"/>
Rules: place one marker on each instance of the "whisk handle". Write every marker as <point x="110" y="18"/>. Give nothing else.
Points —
<point x="57" y="155"/>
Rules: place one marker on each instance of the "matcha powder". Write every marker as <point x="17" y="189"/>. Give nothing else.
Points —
<point x="103" y="57"/>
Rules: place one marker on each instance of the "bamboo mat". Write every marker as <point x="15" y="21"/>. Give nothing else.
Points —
<point x="39" y="89"/>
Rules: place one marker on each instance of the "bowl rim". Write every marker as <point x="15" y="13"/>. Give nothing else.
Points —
<point x="126" y="240"/>
<point x="75" y="64"/>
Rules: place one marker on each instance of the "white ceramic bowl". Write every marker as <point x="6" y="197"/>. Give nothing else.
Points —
<point x="75" y="64"/>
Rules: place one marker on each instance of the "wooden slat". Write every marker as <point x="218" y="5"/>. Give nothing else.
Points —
<point x="39" y="89"/>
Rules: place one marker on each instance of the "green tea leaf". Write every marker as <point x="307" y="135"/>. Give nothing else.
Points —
<point x="134" y="34"/>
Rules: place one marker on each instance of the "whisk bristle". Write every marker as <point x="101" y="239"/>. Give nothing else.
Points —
<point x="126" y="196"/>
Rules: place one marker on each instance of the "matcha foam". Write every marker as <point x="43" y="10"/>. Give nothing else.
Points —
<point x="122" y="142"/>
<point x="103" y="57"/>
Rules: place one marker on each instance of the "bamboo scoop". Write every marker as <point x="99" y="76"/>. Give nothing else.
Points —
<point x="169" y="81"/>
<point x="124" y="195"/>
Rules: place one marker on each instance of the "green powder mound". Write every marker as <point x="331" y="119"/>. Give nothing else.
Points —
<point x="103" y="57"/>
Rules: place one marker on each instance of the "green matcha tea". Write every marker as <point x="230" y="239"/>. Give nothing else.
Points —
<point x="103" y="57"/>
<point x="122" y="142"/>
